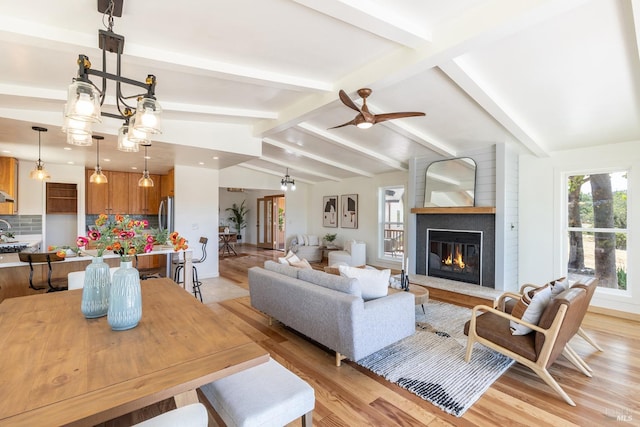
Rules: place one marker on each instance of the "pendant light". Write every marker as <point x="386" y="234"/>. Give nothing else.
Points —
<point x="146" y="180"/>
<point x="98" y="177"/>
<point x="39" y="172"/>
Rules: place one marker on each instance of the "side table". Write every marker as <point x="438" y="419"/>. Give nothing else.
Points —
<point x="420" y="292"/>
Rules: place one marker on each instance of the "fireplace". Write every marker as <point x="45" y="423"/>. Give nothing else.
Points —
<point x="483" y="223"/>
<point x="455" y="255"/>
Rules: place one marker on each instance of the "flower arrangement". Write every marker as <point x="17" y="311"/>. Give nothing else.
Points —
<point x="178" y="241"/>
<point x="122" y="235"/>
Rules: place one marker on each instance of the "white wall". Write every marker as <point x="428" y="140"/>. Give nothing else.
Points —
<point x="196" y="213"/>
<point x="368" y="218"/>
<point x="541" y="248"/>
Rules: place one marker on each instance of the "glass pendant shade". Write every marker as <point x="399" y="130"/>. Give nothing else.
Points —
<point x="98" y="177"/>
<point x="39" y="172"/>
<point x="148" y="116"/>
<point x="76" y="127"/>
<point x="83" y="102"/>
<point x="83" y="140"/>
<point x="136" y="135"/>
<point x="124" y="143"/>
<point x="146" y="180"/>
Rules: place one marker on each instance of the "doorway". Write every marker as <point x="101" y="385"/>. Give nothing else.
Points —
<point x="271" y="222"/>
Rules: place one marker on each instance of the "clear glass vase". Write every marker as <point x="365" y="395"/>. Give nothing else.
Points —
<point x="125" y="300"/>
<point x="95" y="292"/>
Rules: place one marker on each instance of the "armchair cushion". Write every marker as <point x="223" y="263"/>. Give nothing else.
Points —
<point x="303" y="263"/>
<point x="529" y="308"/>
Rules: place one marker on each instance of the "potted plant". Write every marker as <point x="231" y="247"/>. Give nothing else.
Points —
<point x="238" y="217"/>
<point x="329" y="238"/>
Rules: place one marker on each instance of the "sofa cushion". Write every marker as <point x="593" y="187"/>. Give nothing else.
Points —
<point x="313" y="240"/>
<point x="529" y="308"/>
<point x="287" y="270"/>
<point x="374" y="283"/>
<point x="330" y="281"/>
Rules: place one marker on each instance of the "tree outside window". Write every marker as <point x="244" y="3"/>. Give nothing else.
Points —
<point x="597" y="228"/>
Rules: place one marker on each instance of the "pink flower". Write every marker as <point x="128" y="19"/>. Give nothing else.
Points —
<point x="148" y="248"/>
<point x="94" y="235"/>
<point x="82" y="241"/>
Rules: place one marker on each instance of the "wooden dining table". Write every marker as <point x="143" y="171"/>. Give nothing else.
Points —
<point x="59" y="368"/>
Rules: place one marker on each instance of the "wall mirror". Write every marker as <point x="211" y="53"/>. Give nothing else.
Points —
<point x="450" y="183"/>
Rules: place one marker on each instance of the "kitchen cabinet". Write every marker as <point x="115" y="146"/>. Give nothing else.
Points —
<point x="9" y="184"/>
<point x="167" y="186"/>
<point x="121" y="194"/>
<point x="144" y="200"/>
<point x="62" y="198"/>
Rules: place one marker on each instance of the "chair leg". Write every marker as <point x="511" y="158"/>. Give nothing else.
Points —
<point x="576" y="360"/>
<point x="196" y="284"/>
<point x="588" y="339"/>
<point x="307" y="419"/>
<point x="547" y="378"/>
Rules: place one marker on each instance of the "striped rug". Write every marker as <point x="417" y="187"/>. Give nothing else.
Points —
<point x="431" y="363"/>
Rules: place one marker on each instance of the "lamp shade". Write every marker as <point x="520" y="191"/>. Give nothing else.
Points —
<point x="148" y="116"/>
<point x="124" y="143"/>
<point x="79" y="139"/>
<point x="39" y="172"/>
<point x="77" y="127"/>
<point x="136" y="135"/>
<point x="83" y="102"/>
<point x="97" y="177"/>
<point x="146" y="180"/>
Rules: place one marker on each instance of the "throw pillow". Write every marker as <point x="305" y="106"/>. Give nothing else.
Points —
<point x="374" y="283"/>
<point x="291" y="257"/>
<point x="332" y="270"/>
<point x="313" y="240"/>
<point x="283" y="260"/>
<point x="300" y="239"/>
<point x="305" y="238"/>
<point x="303" y="263"/>
<point x="529" y="308"/>
<point x="558" y="286"/>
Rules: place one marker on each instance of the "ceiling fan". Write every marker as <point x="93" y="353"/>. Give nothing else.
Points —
<point x="365" y="119"/>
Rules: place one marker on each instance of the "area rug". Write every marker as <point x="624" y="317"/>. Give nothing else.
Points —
<point x="431" y="365"/>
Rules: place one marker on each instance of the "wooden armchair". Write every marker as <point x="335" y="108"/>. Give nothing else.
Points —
<point x="540" y="348"/>
<point x="588" y="285"/>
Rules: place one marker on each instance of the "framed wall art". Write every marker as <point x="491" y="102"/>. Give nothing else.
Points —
<point x="349" y="211"/>
<point x="330" y="211"/>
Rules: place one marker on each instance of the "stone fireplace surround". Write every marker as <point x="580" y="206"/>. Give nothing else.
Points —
<point x="484" y="222"/>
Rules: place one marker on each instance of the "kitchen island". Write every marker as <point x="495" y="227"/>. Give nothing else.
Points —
<point x="14" y="274"/>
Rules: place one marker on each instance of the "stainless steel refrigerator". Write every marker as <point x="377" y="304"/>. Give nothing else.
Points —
<point x="166" y="214"/>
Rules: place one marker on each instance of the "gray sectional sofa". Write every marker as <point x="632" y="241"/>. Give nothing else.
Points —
<point x="330" y="310"/>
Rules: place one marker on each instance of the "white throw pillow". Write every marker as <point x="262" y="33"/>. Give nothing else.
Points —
<point x="373" y="282"/>
<point x="530" y="308"/>
<point x="347" y="245"/>
<point x="289" y="258"/>
<point x="313" y="240"/>
<point x="283" y="260"/>
<point x="305" y="239"/>
<point x="558" y="286"/>
<point x="300" y="239"/>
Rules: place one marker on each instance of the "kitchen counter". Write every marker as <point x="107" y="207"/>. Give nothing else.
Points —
<point x="14" y="276"/>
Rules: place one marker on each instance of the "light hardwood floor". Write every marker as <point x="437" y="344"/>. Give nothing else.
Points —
<point x="352" y="396"/>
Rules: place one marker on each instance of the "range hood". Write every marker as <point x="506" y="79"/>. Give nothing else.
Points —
<point x="5" y="197"/>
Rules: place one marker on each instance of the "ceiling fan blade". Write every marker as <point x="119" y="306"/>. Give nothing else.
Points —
<point x="348" y="102"/>
<point x="390" y="116"/>
<point x="350" y="122"/>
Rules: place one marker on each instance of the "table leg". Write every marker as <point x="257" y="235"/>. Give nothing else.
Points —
<point x="186" y="398"/>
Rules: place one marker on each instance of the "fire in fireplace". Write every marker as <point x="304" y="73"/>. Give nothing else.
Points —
<point x="455" y="255"/>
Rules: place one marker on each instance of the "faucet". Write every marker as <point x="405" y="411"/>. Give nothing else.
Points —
<point x="2" y="232"/>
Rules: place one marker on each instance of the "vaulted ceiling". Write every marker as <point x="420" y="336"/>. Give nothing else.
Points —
<point x="255" y="83"/>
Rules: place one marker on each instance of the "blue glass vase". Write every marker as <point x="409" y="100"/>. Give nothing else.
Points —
<point x="125" y="300"/>
<point x="95" y="292"/>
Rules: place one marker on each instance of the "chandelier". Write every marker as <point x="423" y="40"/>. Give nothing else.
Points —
<point x="287" y="182"/>
<point x="85" y="99"/>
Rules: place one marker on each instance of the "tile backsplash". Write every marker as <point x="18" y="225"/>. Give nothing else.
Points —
<point x="23" y="224"/>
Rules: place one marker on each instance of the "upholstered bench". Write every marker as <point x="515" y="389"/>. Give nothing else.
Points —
<point x="267" y="394"/>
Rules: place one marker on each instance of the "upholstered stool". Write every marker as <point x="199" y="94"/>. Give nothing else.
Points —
<point x="267" y="394"/>
<point x="194" y="415"/>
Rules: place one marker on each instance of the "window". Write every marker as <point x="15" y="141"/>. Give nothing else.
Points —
<point x="597" y="228"/>
<point x="392" y="222"/>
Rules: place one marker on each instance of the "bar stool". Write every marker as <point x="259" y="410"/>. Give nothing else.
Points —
<point x="179" y="268"/>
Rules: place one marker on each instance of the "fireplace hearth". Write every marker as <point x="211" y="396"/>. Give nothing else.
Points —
<point x="455" y="255"/>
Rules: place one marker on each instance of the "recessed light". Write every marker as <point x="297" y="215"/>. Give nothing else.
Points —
<point x="201" y="163"/>
<point x="134" y="168"/>
<point x="147" y="157"/>
<point x="70" y="163"/>
<point x="67" y="148"/>
<point x="215" y="157"/>
<point x="6" y="151"/>
<point x="106" y="160"/>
